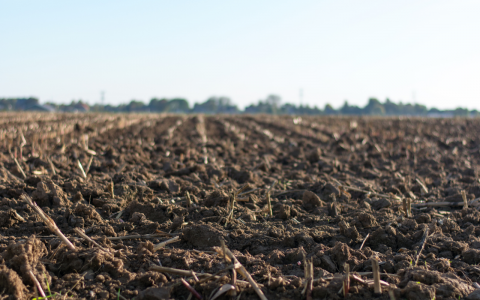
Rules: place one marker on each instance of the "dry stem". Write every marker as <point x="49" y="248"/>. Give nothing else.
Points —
<point x="464" y="197"/>
<point x="372" y="193"/>
<point x="377" y="288"/>
<point x="37" y="284"/>
<point x="89" y="165"/>
<point x="83" y="235"/>
<point x="189" y="200"/>
<point x="52" y="166"/>
<point x="191" y="289"/>
<point x="409" y="207"/>
<point x="48" y="221"/>
<point x="346" y="281"/>
<point x="424" y="188"/>
<point x="269" y="203"/>
<point x="20" y="168"/>
<point x="164" y="243"/>
<point x="241" y="269"/>
<point x="137" y="236"/>
<point x="364" y="240"/>
<point x="425" y="236"/>
<point x="111" y="189"/>
<point x="174" y="271"/>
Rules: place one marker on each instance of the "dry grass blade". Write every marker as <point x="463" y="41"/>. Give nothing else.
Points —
<point x="79" y="164"/>
<point x="394" y="197"/>
<point x="48" y="221"/>
<point x="272" y="186"/>
<point x="189" y="200"/>
<point x="86" y="237"/>
<point x="137" y="236"/>
<point x="52" y="167"/>
<point x="425" y="236"/>
<point x="368" y="281"/>
<point x="187" y="273"/>
<point x="225" y="288"/>
<point x="364" y="240"/>
<point x="241" y="269"/>
<point x="248" y="192"/>
<point x="439" y="204"/>
<point x="269" y="203"/>
<point x="20" y="169"/>
<point x="164" y="243"/>
<point x="243" y="188"/>
<point x="89" y="164"/>
<point x="214" y="276"/>
<point x="424" y="188"/>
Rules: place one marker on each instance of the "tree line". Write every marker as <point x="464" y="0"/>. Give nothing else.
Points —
<point x="272" y="104"/>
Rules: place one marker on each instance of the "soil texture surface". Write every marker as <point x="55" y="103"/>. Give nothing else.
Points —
<point x="251" y="207"/>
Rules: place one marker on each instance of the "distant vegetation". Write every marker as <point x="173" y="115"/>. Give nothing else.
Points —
<point x="270" y="105"/>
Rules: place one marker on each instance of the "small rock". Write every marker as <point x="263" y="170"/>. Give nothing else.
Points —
<point x="328" y="264"/>
<point x="285" y="212"/>
<point x="333" y="209"/>
<point x="311" y="200"/>
<point x="314" y="156"/>
<point x="202" y="236"/>
<point x="423" y="218"/>
<point x="382" y="203"/>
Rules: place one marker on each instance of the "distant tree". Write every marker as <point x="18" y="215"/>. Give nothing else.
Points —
<point x="158" y="105"/>
<point x="329" y="110"/>
<point x="178" y="105"/>
<point x="461" y="112"/>
<point x="135" y="106"/>
<point x="374" y="107"/>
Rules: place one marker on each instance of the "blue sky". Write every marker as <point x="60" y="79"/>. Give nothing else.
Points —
<point x="423" y="51"/>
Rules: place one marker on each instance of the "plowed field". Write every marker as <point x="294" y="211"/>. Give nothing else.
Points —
<point x="253" y="206"/>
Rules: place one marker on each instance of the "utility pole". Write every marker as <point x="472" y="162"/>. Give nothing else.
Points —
<point x="102" y="97"/>
<point x="300" y="96"/>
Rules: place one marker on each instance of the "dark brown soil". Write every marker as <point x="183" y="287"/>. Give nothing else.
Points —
<point x="335" y="182"/>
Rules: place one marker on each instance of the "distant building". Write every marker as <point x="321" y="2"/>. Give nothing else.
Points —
<point x="41" y="107"/>
<point x="76" y="107"/>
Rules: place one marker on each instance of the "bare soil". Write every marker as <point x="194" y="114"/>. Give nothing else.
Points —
<point x="335" y="184"/>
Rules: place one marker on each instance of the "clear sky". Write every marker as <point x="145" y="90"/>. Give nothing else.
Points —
<point x="423" y="51"/>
